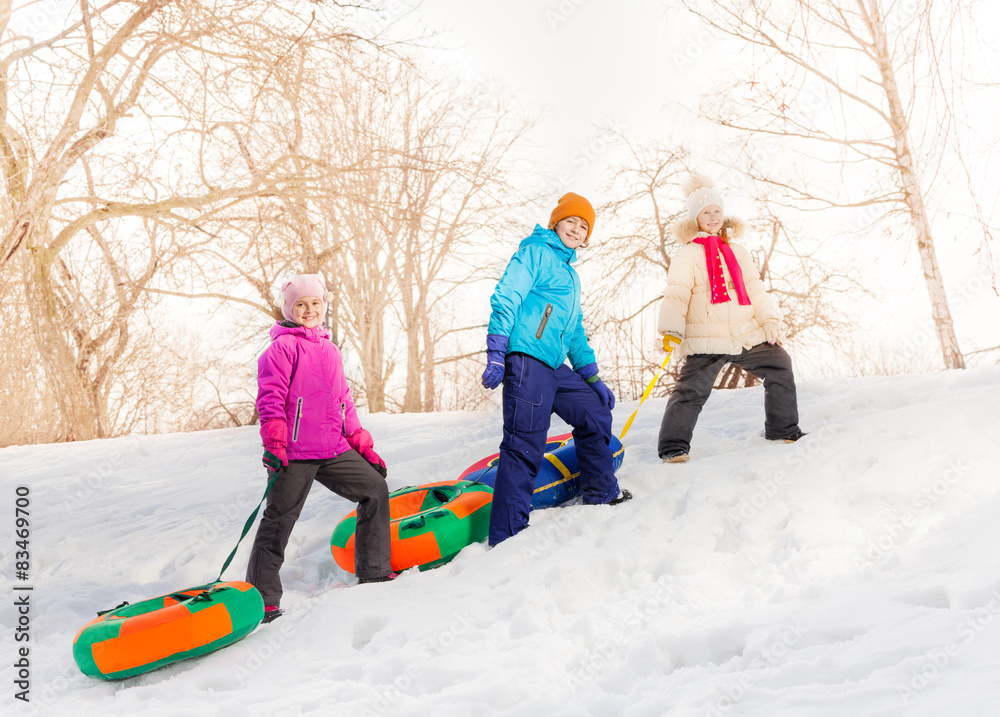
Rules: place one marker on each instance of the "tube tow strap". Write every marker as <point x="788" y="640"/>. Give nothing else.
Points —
<point x="272" y="477"/>
<point x="645" y="394"/>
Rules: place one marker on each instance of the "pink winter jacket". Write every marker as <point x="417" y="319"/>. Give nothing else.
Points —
<point x="688" y="312"/>
<point x="300" y="381"/>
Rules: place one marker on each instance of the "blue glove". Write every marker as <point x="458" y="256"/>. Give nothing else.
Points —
<point x="607" y="398"/>
<point x="589" y="374"/>
<point x="496" y="350"/>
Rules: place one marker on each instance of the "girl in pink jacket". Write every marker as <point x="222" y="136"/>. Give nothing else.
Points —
<point x="717" y="310"/>
<point x="311" y="432"/>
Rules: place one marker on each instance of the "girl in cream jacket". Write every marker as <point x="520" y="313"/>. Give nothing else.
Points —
<point x="716" y="310"/>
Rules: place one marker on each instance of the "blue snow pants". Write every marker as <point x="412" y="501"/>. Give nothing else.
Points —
<point x="532" y="392"/>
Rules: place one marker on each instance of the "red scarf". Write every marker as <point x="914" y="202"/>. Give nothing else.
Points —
<point x="716" y="279"/>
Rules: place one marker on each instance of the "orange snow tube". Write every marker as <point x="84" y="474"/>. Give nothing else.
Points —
<point x="133" y="639"/>
<point x="429" y="524"/>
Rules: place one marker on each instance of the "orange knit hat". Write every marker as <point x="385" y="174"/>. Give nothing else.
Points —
<point x="573" y="205"/>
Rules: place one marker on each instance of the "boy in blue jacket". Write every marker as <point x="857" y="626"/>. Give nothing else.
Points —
<point x="535" y="325"/>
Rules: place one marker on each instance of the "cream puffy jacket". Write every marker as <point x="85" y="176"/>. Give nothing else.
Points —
<point x="687" y="310"/>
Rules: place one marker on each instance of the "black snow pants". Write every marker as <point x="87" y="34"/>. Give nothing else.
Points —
<point x="348" y="475"/>
<point x="694" y="384"/>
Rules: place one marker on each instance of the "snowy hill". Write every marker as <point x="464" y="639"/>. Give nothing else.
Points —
<point x="856" y="572"/>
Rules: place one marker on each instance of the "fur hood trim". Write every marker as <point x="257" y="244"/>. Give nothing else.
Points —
<point x="685" y="230"/>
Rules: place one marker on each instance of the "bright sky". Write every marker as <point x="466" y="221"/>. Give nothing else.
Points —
<point x="589" y="63"/>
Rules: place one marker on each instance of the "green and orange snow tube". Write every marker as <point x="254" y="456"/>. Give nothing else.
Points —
<point x="429" y="524"/>
<point x="133" y="639"/>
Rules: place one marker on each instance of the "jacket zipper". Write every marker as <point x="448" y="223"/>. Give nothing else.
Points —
<point x="545" y="320"/>
<point x="298" y="418"/>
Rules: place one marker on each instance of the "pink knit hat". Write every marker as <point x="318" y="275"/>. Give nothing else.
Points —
<point x="299" y="286"/>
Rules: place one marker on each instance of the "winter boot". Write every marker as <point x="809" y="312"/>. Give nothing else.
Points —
<point x="677" y="456"/>
<point x="791" y="438"/>
<point x="625" y="496"/>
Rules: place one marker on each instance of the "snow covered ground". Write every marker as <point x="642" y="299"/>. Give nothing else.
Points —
<point x="856" y="572"/>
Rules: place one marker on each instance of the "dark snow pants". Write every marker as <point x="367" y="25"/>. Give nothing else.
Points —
<point x="694" y="384"/>
<point x="532" y="392"/>
<point x="348" y="475"/>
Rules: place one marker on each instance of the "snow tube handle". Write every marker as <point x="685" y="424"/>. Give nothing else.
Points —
<point x="418" y="522"/>
<point x="421" y="520"/>
<point x="116" y="607"/>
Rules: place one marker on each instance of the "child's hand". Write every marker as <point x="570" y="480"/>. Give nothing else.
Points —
<point x="772" y="332"/>
<point x="496" y="350"/>
<point x="273" y="435"/>
<point x="375" y="460"/>
<point x="607" y="398"/>
<point x="670" y="342"/>
<point x="274" y="458"/>
<point x="589" y="374"/>
<point x="493" y="375"/>
<point x="361" y="441"/>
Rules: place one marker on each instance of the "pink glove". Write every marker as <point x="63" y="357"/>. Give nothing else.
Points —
<point x="273" y="434"/>
<point x="274" y="459"/>
<point x="361" y="441"/>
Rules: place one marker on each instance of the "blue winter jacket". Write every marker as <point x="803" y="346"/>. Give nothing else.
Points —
<point x="537" y="303"/>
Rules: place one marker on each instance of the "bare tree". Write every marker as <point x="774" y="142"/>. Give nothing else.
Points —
<point x="622" y="298"/>
<point x="645" y="202"/>
<point x="814" y="293"/>
<point x="149" y="129"/>
<point x="415" y="175"/>
<point x="843" y="85"/>
<point x="29" y="413"/>
<point x="452" y="197"/>
<point x="412" y="226"/>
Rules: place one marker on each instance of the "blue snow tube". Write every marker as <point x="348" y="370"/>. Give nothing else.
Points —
<point x="558" y="479"/>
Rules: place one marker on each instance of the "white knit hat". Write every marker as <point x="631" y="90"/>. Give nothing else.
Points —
<point x="700" y="194"/>
<point x="299" y="286"/>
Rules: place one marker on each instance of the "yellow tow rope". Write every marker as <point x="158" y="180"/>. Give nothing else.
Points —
<point x="645" y="394"/>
